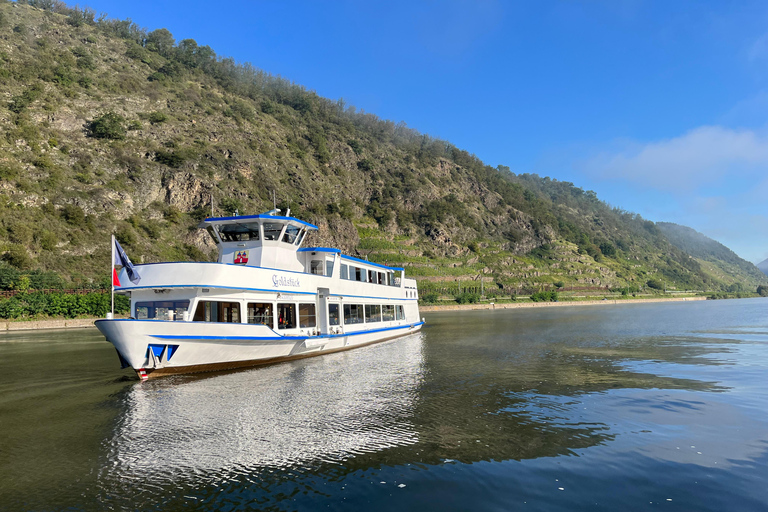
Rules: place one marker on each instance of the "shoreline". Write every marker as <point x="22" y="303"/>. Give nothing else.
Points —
<point x="514" y="305"/>
<point x="82" y="323"/>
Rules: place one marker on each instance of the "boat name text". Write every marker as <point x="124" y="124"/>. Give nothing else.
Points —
<point x="279" y="281"/>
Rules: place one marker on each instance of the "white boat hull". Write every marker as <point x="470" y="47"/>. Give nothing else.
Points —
<point x="155" y="348"/>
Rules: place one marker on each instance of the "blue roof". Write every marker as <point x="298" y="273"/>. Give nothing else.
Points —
<point x="319" y="249"/>
<point x="344" y="256"/>
<point x="259" y="217"/>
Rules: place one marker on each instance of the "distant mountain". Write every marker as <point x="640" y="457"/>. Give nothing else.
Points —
<point x="704" y="248"/>
<point x="763" y="266"/>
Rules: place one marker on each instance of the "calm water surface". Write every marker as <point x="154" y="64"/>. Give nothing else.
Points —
<point x="631" y="407"/>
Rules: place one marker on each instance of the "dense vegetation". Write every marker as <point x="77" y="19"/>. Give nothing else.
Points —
<point x="110" y="128"/>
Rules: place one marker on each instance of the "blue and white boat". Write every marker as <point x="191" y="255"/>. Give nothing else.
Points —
<point x="266" y="299"/>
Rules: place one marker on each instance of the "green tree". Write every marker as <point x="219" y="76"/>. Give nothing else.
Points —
<point x="762" y="290"/>
<point x="160" y="41"/>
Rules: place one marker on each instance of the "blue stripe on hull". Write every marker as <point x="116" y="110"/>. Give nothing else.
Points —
<point x="281" y="338"/>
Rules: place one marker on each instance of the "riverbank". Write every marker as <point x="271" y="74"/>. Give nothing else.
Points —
<point x="56" y="323"/>
<point x="516" y="305"/>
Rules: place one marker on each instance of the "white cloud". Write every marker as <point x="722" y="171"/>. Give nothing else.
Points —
<point x="704" y="156"/>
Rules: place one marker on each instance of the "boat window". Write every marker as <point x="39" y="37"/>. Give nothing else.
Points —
<point x="381" y="277"/>
<point x="260" y="313"/>
<point x="301" y="236"/>
<point x="212" y="232"/>
<point x="329" y="268"/>
<point x="358" y="274"/>
<point x="215" y="311"/>
<point x="344" y="271"/>
<point x="333" y="314"/>
<point x="291" y="232"/>
<point x="306" y="315"/>
<point x="286" y="316"/>
<point x="238" y="232"/>
<point x="371" y="278"/>
<point x="161" y="310"/>
<point x="387" y="312"/>
<point x="399" y="315"/>
<point x="372" y="313"/>
<point x="353" y="314"/>
<point x="316" y="267"/>
<point x="272" y="230"/>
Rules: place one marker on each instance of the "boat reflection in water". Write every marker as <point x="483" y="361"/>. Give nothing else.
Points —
<point x="204" y="430"/>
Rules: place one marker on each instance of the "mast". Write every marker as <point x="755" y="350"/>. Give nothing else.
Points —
<point x="112" y="275"/>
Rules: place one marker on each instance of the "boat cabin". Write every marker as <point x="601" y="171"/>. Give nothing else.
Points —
<point x="267" y="240"/>
<point x="273" y="241"/>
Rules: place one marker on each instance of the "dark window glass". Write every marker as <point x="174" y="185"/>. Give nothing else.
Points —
<point x="260" y="313"/>
<point x="353" y="314"/>
<point x="291" y="232"/>
<point x="161" y="310"/>
<point x="372" y="313"/>
<point x="272" y="230"/>
<point x="238" y="232"/>
<point x="286" y="316"/>
<point x="344" y="271"/>
<point x="306" y="315"/>
<point x="333" y="314"/>
<point x="387" y="313"/>
<point x="215" y="311"/>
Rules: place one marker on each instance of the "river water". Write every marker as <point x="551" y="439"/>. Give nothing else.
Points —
<point x="627" y="407"/>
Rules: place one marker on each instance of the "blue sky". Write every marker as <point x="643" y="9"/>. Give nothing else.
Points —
<point x="660" y="107"/>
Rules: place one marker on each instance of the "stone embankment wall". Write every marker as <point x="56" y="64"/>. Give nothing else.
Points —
<point x="514" y="305"/>
<point x="46" y="324"/>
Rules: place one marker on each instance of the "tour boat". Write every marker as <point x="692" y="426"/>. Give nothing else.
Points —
<point x="267" y="299"/>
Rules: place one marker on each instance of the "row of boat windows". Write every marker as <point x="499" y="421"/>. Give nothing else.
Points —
<point x="351" y="273"/>
<point x="252" y="231"/>
<point x="286" y="315"/>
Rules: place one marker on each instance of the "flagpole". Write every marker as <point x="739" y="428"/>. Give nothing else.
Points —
<point x="111" y="275"/>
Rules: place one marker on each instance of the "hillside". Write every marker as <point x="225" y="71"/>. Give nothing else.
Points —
<point x="727" y="264"/>
<point x="110" y="128"/>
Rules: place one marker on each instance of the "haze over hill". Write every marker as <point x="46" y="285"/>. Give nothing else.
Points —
<point x="110" y="128"/>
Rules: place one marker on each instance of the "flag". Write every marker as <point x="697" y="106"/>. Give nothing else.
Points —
<point x="120" y="258"/>
<point x="115" y="279"/>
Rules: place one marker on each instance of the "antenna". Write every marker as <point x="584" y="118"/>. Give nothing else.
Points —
<point x="274" y="201"/>
<point x="211" y="205"/>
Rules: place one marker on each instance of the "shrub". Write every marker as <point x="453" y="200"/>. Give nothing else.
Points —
<point x="365" y="165"/>
<point x="467" y="298"/>
<point x="762" y="290"/>
<point x="544" y="297"/>
<point x="157" y="117"/>
<point x="29" y="305"/>
<point x="73" y="214"/>
<point x="174" y="160"/>
<point x="108" y="126"/>
<point x="655" y="284"/>
<point x="430" y="297"/>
